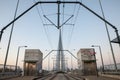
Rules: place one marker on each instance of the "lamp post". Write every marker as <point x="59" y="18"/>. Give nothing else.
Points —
<point x="100" y="55"/>
<point x="18" y="56"/>
<point x="72" y="61"/>
<point x="48" y="61"/>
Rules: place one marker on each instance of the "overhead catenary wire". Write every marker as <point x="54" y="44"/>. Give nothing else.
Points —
<point x="38" y="12"/>
<point x="70" y="33"/>
<point x="46" y="30"/>
<point x="48" y="38"/>
<point x="63" y="14"/>
<point x="63" y="18"/>
<point x="74" y="22"/>
<point x="77" y="2"/>
<point x="77" y="14"/>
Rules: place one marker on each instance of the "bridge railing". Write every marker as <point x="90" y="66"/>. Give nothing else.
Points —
<point x="110" y="69"/>
<point x="9" y="71"/>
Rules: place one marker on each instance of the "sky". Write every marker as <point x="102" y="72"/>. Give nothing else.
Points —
<point x="87" y="29"/>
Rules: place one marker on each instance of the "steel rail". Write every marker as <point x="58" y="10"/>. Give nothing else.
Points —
<point x="68" y="77"/>
<point x="53" y="77"/>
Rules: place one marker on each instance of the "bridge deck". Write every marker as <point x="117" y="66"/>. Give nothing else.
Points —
<point x="22" y="78"/>
<point x="62" y="77"/>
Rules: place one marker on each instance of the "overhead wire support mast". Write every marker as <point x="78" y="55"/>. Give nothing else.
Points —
<point x="11" y="32"/>
<point x="60" y="2"/>
<point x="60" y="50"/>
<point x="54" y="24"/>
<point x="49" y="20"/>
<point x="108" y="36"/>
<point x="67" y="20"/>
<point x="58" y="14"/>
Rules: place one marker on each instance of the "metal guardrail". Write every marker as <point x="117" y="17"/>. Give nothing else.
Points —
<point x="9" y="72"/>
<point x="111" y="73"/>
<point x="111" y="67"/>
<point x="7" y="75"/>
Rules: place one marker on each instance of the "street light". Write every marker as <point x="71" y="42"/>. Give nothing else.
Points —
<point x="100" y="55"/>
<point x="48" y="61"/>
<point x="18" y="56"/>
<point x="72" y="61"/>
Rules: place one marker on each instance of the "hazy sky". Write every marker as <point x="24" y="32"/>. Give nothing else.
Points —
<point x="88" y="29"/>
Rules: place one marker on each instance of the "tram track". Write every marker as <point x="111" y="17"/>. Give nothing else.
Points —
<point x="59" y="76"/>
<point x="69" y="77"/>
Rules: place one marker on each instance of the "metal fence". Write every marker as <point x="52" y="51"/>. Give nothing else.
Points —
<point x="9" y="71"/>
<point x="8" y="68"/>
<point x="111" y="67"/>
